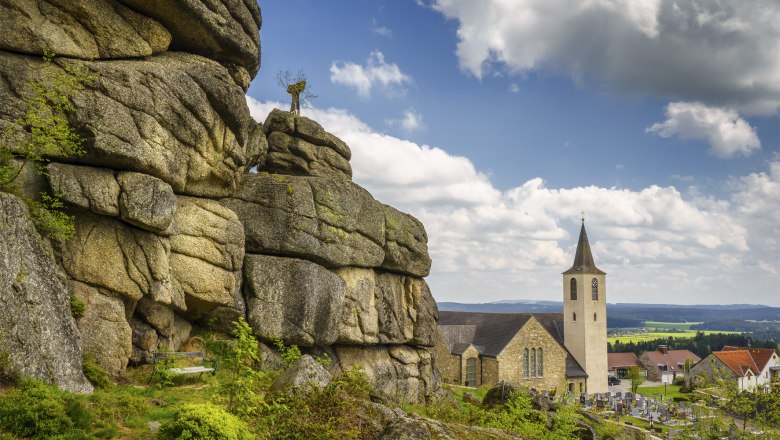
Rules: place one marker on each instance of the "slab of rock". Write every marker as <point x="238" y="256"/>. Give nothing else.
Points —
<point x="498" y="394"/>
<point x="175" y="116"/>
<point x="295" y="300"/>
<point x="396" y="373"/>
<point x="157" y="315"/>
<point x="147" y="202"/>
<point x="94" y="189"/>
<point x="406" y="244"/>
<point x="36" y="327"/>
<point x="206" y="255"/>
<point x="302" y="376"/>
<point x="406" y="429"/>
<point x="84" y="29"/>
<point x="386" y="308"/>
<point x="333" y="223"/>
<point x="179" y="334"/>
<point x="108" y="253"/>
<point x="223" y="30"/>
<point x="290" y="155"/>
<point x="306" y="129"/>
<point x="104" y="328"/>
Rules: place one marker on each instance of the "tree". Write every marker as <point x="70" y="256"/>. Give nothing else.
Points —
<point x="295" y="85"/>
<point x="636" y="378"/>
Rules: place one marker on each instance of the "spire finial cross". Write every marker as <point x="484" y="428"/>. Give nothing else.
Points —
<point x="583" y="215"/>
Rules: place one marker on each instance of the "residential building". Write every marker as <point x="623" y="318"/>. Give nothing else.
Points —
<point x="665" y="365"/>
<point x="620" y="363"/>
<point x="752" y="368"/>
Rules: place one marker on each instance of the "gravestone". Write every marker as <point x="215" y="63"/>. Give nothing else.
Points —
<point x="635" y="412"/>
<point x="619" y="395"/>
<point x="599" y="404"/>
<point x="629" y="396"/>
<point x="608" y="394"/>
<point x="619" y="407"/>
<point x="583" y="397"/>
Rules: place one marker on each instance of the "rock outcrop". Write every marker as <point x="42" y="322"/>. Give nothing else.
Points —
<point x="189" y="211"/>
<point x="37" y="333"/>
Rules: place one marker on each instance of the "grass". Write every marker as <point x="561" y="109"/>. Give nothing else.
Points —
<point x="672" y="391"/>
<point x="641" y="336"/>
<point x="643" y="423"/>
<point x="458" y="391"/>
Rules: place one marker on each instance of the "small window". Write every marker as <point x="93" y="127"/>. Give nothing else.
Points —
<point x="594" y="317"/>
<point x="525" y="362"/>
<point x="594" y="289"/>
<point x="574" y="316"/>
<point x="573" y="289"/>
<point x="533" y="362"/>
<point x="471" y="372"/>
<point x="540" y="362"/>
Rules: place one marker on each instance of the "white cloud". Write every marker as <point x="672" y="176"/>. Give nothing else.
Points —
<point x="514" y="88"/>
<point x="720" y="53"/>
<point x="727" y="133"/>
<point x="383" y="31"/>
<point x="657" y="244"/>
<point x="376" y="73"/>
<point x="411" y="121"/>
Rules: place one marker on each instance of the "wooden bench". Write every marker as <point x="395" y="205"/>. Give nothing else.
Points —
<point x="207" y="366"/>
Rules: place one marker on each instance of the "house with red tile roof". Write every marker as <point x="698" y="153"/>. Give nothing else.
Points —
<point x="752" y="368"/>
<point x="665" y="365"/>
<point x="619" y="364"/>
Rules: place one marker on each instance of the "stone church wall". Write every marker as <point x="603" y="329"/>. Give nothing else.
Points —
<point x="533" y="335"/>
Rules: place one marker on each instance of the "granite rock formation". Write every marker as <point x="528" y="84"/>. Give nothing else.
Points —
<point x="188" y="211"/>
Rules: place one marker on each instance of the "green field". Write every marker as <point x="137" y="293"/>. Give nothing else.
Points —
<point x="651" y="335"/>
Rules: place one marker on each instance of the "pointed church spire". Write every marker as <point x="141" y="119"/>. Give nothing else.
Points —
<point x="583" y="258"/>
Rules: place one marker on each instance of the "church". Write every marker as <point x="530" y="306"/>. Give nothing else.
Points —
<point x="556" y="352"/>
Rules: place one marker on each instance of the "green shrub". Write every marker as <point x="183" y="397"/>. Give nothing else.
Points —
<point x="38" y="410"/>
<point x="7" y="372"/>
<point x="77" y="307"/>
<point x="289" y="353"/>
<point x="204" y="421"/>
<point x="94" y="372"/>
<point x="243" y="389"/>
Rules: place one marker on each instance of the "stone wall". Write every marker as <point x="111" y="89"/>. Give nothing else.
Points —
<point x="448" y="364"/>
<point x="533" y="335"/>
<point x="490" y="369"/>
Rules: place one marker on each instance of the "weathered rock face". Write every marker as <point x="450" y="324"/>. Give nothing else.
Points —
<point x="304" y="375"/>
<point x="79" y="29"/>
<point x="333" y="223"/>
<point x="296" y="300"/>
<point x="36" y="328"/>
<point x="104" y="327"/>
<point x="292" y="151"/>
<point x="170" y="226"/>
<point x="223" y="30"/>
<point x="386" y="308"/>
<point x="396" y="372"/>
<point x="178" y="117"/>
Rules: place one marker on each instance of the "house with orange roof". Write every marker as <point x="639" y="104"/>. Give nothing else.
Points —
<point x="620" y="363"/>
<point x="752" y="368"/>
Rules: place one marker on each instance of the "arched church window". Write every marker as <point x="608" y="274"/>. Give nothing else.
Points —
<point x="594" y="289"/>
<point x="525" y="362"/>
<point x="471" y="372"/>
<point x="573" y="288"/>
<point x="540" y="362"/>
<point x="533" y="362"/>
<point x="574" y="316"/>
<point x="594" y="317"/>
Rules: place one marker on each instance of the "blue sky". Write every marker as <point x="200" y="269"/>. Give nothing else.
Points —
<point x="497" y="122"/>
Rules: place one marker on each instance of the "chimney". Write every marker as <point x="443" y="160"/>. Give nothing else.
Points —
<point x="662" y="349"/>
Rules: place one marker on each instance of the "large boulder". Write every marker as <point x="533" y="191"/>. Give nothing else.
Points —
<point x="84" y="29"/>
<point x="298" y="145"/>
<point x="302" y="376"/>
<point x="223" y="30"/>
<point x="175" y="116"/>
<point x="111" y="254"/>
<point x="396" y="373"/>
<point x="37" y="331"/>
<point x="333" y="223"/>
<point x="406" y="244"/>
<point x="295" y="300"/>
<point x="138" y="199"/>
<point x="206" y="255"/>
<point x="386" y="308"/>
<point x="104" y="328"/>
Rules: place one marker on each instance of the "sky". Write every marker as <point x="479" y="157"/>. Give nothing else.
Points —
<point x="498" y="123"/>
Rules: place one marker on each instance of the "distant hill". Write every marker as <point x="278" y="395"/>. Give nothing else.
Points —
<point x="619" y="314"/>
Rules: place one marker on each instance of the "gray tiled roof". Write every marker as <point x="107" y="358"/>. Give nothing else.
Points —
<point x="491" y="332"/>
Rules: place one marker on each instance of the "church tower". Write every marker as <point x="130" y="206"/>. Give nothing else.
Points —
<point x="585" y="315"/>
